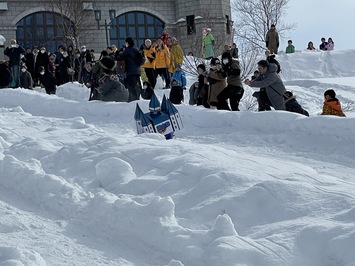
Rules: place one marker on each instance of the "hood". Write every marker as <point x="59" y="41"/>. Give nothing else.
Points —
<point x="334" y="103"/>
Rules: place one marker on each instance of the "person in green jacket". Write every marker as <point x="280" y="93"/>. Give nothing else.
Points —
<point x="290" y="49"/>
<point x="208" y="43"/>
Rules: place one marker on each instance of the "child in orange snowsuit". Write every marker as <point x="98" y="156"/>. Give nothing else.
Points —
<point x="331" y="105"/>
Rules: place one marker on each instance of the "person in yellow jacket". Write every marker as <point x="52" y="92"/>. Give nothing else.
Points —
<point x="149" y="65"/>
<point x="162" y="61"/>
<point x="331" y="104"/>
<point x="177" y="54"/>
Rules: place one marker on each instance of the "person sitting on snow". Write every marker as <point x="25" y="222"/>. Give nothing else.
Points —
<point x="178" y="84"/>
<point x="331" y="105"/>
<point x="292" y="105"/>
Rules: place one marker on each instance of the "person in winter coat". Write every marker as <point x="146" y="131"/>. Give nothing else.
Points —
<point x="199" y="90"/>
<point x="311" y="47"/>
<point x="178" y="85"/>
<point x="330" y="45"/>
<point x="162" y="61"/>
<point x="42" y="60"/>
<point x="48" y="80"/>
<point x="271" y="59"/>
<point x="290" y="49"/>
<point x="272" y="39"/>
<point x="14" y="53"/>
<point x="292" y="104"/>
<point x="234" y="51"/>
<point x="234" y="90"/>
<point x="165" y="36"/>
<point x="208" y="43"/>
<point x="216" y="80"/>
<point x="26" y="80"/>
<point x="5" y="75"/>
<point x="149" y="65"/>
<point x="65" y="67"/>
<point x="147" y="90"/>
<point x="30" y="61"/>
<point x="133" y="61"/>
<point x="272" y="83"/>
<point x="332" y="105"/>
<point x="110" y="89"/>
<point x="323" y="45"/>
<point x="177" y="54"/>
<point x="90" y="82"/>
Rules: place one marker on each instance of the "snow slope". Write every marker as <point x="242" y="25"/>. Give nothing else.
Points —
<point x="79" y="187"/>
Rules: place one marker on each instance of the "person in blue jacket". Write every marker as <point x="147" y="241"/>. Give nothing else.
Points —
<point x="178" y="84"/>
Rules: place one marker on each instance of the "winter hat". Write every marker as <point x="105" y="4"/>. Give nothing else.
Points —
<point x="202" y="66"/>
<point x="263" y="63"/>
<point x="130" y="41"/>
<point x="287" y="95"/>
<point x="107" y="63"/>
<point x="215" y="61"/>
<point x="330" y="93"/>
<point x="227" y="55"/>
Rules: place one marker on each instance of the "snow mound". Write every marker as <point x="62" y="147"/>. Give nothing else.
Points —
<point x="15" y="256"/>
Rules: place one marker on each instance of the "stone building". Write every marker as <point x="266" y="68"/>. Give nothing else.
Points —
<point x="42" y="22"/>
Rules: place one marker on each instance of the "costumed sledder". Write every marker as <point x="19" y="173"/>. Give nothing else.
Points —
<point x="164" y="119"/>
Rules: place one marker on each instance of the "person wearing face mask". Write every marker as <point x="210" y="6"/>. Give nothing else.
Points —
<point x="47" y="80"/>
<point x="26" y="80"/>
<point x="85" y="57"/>
<point x="14" y="53"/>
<point x="42" y="60"/>
<point x="234" y="91"/>
<point x="149" y="64"/>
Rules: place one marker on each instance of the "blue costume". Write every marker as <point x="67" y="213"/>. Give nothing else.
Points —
<point x="164" y="119"/>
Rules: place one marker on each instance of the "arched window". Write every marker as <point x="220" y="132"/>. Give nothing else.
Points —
<point x="138" y="25"/>
<point x="44" y="29"/>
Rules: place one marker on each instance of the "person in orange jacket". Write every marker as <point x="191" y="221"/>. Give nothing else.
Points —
<point x="162" y="61"/>
<point x="332" y="105"/>
<point x="149" y="65"/>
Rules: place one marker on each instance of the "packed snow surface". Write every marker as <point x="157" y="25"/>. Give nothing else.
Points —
<point x="79" y="187"/>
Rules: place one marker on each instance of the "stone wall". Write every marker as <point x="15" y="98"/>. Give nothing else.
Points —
<point x="169" y="11"/>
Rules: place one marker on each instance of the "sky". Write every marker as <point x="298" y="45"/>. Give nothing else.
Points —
<point x="319" y="18"/>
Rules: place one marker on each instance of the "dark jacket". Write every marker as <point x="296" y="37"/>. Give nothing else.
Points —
<point x="273" y="85"/>
<point x="112" y="90"/>
<point x="30" y="62"/>
<point x="63" y="68"/>
<point x="4" y="75"/>
<point x="14" y="54"/>
<point x="49" y="82"/>
<point x="293" y="106"/>
<point x="26" y="80"/>
<point x="271" y="59"/>
<point x="232" y="70"/>
<point x="42" y="60"/>
<point x="131" y="56"/>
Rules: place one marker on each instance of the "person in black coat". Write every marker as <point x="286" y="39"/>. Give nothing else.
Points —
<point x="292" y="105"/>
<point x="64" y="67"/>
<point x="5" y="75"/>
<point x="14" y="53"/>
<point x="48" y="80"/>
<point x="271" y="59"/>
<point x="42" y="60"/>
<point x="133" y="61"/>
<point x="30" y="61"/>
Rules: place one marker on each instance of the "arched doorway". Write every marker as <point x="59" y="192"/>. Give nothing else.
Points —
<point x="44" y="29"/>
<point x="138" y="25"/>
